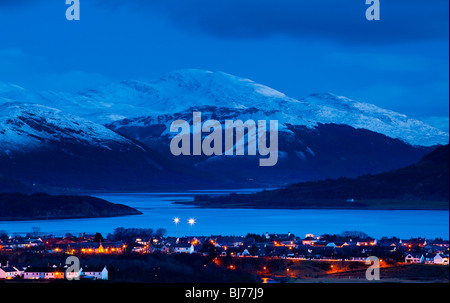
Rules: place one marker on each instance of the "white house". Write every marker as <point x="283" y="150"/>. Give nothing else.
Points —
<point x="9" y="272"/>
<point x="34" y="273"/>
<point x="183" y="248"/>
<point x="96" y="273"/>
<point x="440" y="259"/>
<point x="45" y="273"/>
<point x="414" y="258"/>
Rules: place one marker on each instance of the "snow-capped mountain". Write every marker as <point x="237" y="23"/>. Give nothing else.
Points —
<point x="121" y="131"/>
<point x="181" y="90"/>
<point x="185" y="89"/>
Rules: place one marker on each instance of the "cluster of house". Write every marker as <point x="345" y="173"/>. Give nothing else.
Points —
<point x="9" y="271"/>
<point x="310" y="247"/>
<point x="84" y="245"/>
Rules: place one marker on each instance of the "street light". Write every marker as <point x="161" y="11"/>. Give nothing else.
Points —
<point x="191" y="222"/>
<point x="176" y="221"/>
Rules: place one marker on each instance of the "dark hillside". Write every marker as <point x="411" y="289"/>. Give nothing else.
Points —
<point x="15" y="206"/>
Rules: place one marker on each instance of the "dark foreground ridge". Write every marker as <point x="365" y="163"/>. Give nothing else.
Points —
<point x="39" y="206"/>
<point x="423" y="185"/>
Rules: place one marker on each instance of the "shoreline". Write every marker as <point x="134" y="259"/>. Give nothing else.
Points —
<point x="67" y="218"/>
<point x="225" y="191"/>
<point x="300" y="207"/>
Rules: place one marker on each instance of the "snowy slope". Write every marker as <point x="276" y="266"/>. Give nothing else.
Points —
<point x="188" y="89"/>
<point x="46" y="146"/>
<point x="341" y="110"/>
<point x="31" y="126"/>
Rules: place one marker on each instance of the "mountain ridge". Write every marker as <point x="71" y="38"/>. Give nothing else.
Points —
<point x="62" y="139"/>
<point x="179" y="90"/>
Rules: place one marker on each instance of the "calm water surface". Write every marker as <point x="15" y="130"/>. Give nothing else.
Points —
<point x="159" y="211"/>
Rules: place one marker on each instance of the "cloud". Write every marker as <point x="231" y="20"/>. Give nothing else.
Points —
<point x="343" y="21"/>
<point x="339" y="20"/>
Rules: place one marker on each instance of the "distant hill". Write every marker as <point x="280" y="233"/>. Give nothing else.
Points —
<point x="39" y="206"/>
<point x="415" y="186"/>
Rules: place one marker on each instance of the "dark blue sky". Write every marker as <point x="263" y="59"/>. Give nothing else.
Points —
<point x="295" y="46"/>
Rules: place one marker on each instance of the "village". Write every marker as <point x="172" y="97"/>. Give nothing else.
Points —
<point x="346" y="248"/>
